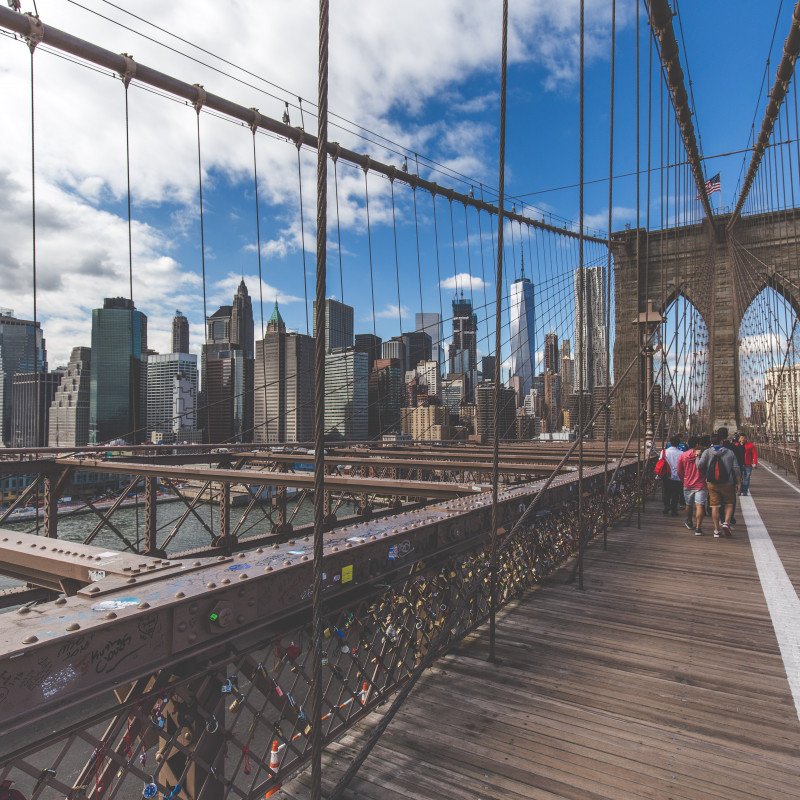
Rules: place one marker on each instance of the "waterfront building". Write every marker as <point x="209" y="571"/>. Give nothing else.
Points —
<point x="370" y="344"/>
<point x="522" y="321"/>
<point x="180" y="333"/>
<point x="32" y="393"/>
<point x="118" y="392"/>
<point x="22" y="349"/>
<point x="69" y="411"/>
<point x="346" y="395"/>
<point x="284" y="385"/>
<point x="591" y="361"/>
<point x="484" y="401"/>
<point x="338" y="325"/>
<point x="430" y="421"/>
<point x="432" y="325"/>
<point x="172" y="397"/>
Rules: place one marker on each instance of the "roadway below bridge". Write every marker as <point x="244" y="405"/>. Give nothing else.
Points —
<point x="670" y="676"/>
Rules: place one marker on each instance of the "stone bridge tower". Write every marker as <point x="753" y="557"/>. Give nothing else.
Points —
<point x="720" y="270"/>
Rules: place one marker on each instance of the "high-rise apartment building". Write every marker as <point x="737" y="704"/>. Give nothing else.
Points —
<point x="338" y="325"/>
<point x="522" y="318"/>
<point x="33" y="393"/>
<point x="346" y="395"/>
<point x="590" y="362"/>
<point x="428" y="373"/>
<point x="429" y="422"/>
<point x="782" y="400"/>
<point x="172" y="397"/>
<point x="22" y="349"/>
<point x="463" y="351"/>
<point x="180" y="333"/>
<point x="432" y="325"/>
<point x="484" y="400"/>
<point x="69" y="411"/>
<point x="118" y="394"/>
<point x="284" y="384"/>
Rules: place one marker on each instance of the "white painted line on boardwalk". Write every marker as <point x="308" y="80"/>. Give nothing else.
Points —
<point x="782" y="600"/>
<point x="780" y="478"/>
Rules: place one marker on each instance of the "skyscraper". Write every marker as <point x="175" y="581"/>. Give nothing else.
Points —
<point x="180" y="333"/>
<point x="371" y="345"/>
<point x="346" y="395"/>
<point x="22" y="349"/>
<point x="522" y="317"/>
<point x="242" y="321"/>
<point x="551" y="357"/>
<point x="172" y="396"/>
<point x="33" y="393"/>
<point x="284" y="384"/>
<point x="338" y="325"/>
<point x="432" y="325"/>
<point x="418" y="348"/>
<point x="229" y="334"/>
<point x="463" y="355"/>
<point x="385" y="386"/>
<point x="567" y="371"/>
<point x="69" y="412"/>
<point x="118" y="384"/>
<point x="591" y="360"/>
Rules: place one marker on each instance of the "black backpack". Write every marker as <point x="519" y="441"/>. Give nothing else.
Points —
<point x="718" y="471"/>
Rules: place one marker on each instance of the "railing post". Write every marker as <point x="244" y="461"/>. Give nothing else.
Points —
<point x="150" y="517"/>
<point x="51" y="506"/>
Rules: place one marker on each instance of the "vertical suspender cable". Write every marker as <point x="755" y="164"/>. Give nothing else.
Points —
<point x="497" y="326"/>
<point x="32" y="46"/>
<point x="265" y="432"/>
<point x="640" y="392"/>
<point x="608" y="269"/>
<point x="303" y="233"/>
<point x="581" y="313"/>
<point x="319" y="405"/>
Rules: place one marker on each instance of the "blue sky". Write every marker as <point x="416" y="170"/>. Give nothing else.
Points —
<point x="424" y="76"/>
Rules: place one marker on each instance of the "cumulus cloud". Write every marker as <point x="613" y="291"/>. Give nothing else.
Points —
<point x="463" y="281"/>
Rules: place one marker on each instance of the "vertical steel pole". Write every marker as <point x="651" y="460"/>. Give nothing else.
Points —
<point x="150" y="545"/>
<point x="497" y="331"/>
<point x="319" y="406"/>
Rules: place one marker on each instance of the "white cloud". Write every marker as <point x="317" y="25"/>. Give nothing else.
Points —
<point x="464" y="281"/>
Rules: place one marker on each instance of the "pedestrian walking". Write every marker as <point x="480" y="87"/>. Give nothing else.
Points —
<point x="723" y="479"/>
<point x="750" y="457"/>
<point x="673" y="486"/>
<point x="694" y="486"/>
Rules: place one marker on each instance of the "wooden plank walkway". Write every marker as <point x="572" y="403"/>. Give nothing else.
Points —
<point x="663" y="680"/>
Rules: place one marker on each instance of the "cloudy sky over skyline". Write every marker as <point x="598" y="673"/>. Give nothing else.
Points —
<point x="417" y="78"/>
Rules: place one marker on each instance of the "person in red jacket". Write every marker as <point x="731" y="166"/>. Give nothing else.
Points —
<point x="750" y="463"/>
<point x="694" y="486"/>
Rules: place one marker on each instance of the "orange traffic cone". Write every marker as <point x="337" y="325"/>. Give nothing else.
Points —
<point x="274" y="757"/>
<point x="364" y="693"/>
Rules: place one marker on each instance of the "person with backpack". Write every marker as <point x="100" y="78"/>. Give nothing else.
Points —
<point x="672" y="484"/>
<point x="694" y="486"/>
<point x="723" y="478"/>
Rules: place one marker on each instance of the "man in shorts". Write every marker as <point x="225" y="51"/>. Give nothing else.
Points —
<point x="694" y="486"/>
<point x="723" y="478"/>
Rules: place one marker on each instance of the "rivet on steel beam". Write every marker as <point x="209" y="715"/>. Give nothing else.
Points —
<point x="211" y="586"/>
<point x="30" y="639"/>
<point x="268" y="568"/>
<point x="373" y="538"/>
<point x="243" y="576"/>
<point x="182" y="627"/>
<point x="191" y="637"/>
<point x="196" y="564"/>
<point x="220" y="558"/>
<point x="126" y="569"/>
<point x="179" y="595"/>
<point x="61" y="601"/>
<point x="131" y="580"/>
<point x="94" y="590"/>
<point x="304" y="558"/>
<point x="193" y="608"/>
<point x="275" y="546"/>
<point x="335" y="549"/>
<point x="383" y="534"/>
<point x="24" y="610"/>
<point x="165" y="564"/>
<point x="305" y="538"/>
<point x="260" y="550"/>
<point x="225" y="581"/>
<point x="287" y="563"/>
<point x="291" y="541"/>
<point x="348" y="544"/>
<point x="111" y="615"/>
<point x="240" y="555"/>
<point x="73" y="627"/>
<point x="145" y="604"/>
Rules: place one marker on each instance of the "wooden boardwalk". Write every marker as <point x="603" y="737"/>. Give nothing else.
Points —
<point x="663" y="679"/>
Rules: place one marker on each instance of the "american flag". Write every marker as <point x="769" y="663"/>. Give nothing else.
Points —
<point x="712" y="185"/>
